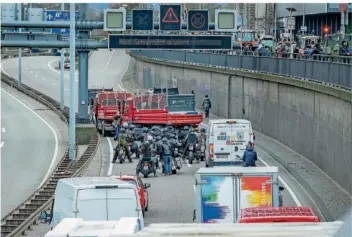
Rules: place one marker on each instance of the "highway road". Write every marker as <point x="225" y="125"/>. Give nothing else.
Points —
<point x="32" y="142"/>
<point x="171" y="198"/>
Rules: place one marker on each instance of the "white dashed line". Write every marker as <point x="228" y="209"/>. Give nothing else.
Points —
<point x="2" y="144"/>
<point x="111" y="156"/>
<point x="3" y="130"/>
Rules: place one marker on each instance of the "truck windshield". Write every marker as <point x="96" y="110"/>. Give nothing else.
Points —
<point x="109" y="102"/>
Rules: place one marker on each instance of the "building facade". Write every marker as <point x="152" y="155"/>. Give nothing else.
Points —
<point x="320" y="18"/>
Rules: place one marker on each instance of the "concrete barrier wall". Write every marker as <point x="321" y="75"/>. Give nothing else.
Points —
<point x="312" y="119"/>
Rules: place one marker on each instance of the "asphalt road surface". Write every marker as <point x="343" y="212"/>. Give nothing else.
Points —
<point x="32" y="141"/>
<point x="171" y="198"/>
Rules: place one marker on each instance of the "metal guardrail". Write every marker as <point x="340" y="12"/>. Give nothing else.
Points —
<point x="325" y="71"/>
<point x="27" y="213"/>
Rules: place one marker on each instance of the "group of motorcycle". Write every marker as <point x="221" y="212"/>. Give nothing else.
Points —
<point x="138" y="138"/>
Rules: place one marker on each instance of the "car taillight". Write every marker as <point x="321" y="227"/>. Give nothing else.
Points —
<point x="211" y="151"/>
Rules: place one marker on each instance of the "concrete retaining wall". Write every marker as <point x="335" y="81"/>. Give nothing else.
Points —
<point x="312" y="119"/>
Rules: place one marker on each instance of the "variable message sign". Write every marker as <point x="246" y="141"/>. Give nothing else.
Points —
<point x="170" y="17"/>
<point x="218" y="42"/>
<point x="142" y="19"/>
<point x="198" y="20"/>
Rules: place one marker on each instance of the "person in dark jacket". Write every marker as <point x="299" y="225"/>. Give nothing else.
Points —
<point x="344" y="50"/>
<point x="206" y="106"/>
<point x="250" y="156"/>
<point x="166" y="154"/>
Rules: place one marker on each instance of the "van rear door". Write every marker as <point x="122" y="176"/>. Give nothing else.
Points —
<point x="91" y="204"/>
<point x="121" y="202"/>
<point x="222" y="147"/>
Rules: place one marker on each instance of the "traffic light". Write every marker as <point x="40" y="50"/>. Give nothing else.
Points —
<point x="326" y="29"/>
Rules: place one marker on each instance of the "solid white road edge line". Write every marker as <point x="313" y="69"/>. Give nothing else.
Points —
<point x="111" y="156"/>
<point x="293" y="195"/>
<point x="52" y="130"/>
<point x="2" y="69"/>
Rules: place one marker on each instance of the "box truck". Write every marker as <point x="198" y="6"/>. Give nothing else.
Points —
<point x="221" y="192"/>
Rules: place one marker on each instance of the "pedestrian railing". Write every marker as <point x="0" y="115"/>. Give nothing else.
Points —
<point x="333" y="70"/>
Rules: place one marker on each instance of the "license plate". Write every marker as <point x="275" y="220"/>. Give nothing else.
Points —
<point x="222" y="156"/>
<point x="145" y="167"/>
<point x="191" y="148"/>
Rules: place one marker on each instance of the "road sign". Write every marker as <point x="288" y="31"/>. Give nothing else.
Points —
<point x="198" y="20"/>
<point x="170" y="17"/>
<point x="142" y="19"/>
<point x="225" y="20"/>
<point x="343" y="7"/>
<point x="217" y="42"/>
<point x="304" y="28"/>
<point x="115" y="19"/>
<point x="53" y="15"/>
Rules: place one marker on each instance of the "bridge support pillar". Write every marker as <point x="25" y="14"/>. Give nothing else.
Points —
<point x="83" y="86"/>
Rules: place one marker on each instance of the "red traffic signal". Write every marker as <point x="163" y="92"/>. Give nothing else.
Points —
<point x="326" y="29"/>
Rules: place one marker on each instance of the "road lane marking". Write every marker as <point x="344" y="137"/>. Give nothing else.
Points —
<point x="2" y="69"/>
<point x="111" y="156"/>
<point x="3" y="130"/>
<point x="66" y="89"/>
<point x="290" y="191"/>
<point x="54" y="84"/>
<point x="2" y="144"/>
<point x="107" y="64"/>
<point x="53" y="161"/>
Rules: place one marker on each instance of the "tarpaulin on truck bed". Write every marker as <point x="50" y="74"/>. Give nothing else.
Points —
<point x="170" y="91"/>
<point x="181" y="103"/>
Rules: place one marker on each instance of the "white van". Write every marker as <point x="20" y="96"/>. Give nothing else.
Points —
<point x="94" y="199"/>
<point x="227" y="141"/>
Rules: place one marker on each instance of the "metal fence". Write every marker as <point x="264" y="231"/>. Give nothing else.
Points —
<point x="321" y="68"/>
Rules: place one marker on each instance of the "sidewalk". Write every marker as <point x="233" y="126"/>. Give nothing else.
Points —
<point x="332" y="200"/>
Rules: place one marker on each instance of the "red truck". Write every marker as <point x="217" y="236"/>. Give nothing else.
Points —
<point x="152" y="109"/>
<point x="106" y="104"/>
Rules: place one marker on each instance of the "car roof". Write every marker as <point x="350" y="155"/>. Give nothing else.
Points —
<point x="125" y="177"/>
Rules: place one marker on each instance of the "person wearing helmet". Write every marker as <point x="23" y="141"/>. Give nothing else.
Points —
<point x="166" y="155"/>
<point x="116" y="124"/>
<point x="169" y="127"/>
<point x="122" y="144"/>
<point x="190" y="140"/>
<point x="202" y="135"/>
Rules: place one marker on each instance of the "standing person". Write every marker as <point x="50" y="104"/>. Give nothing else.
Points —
<point x="166" y="153"/>
<point x="206" y="106"/>
<point x="344" y="50"/>
<point x="116" y="124"/>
